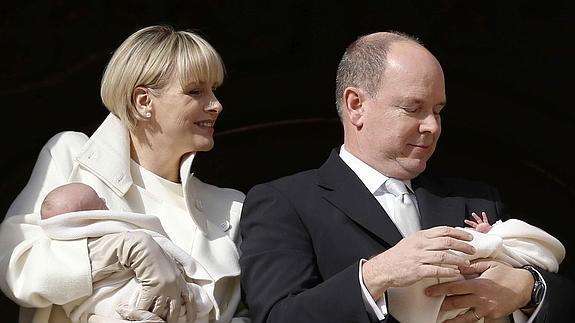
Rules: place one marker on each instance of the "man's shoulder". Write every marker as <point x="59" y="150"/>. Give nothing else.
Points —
<point x="291" y="184"/>
<point x="305" y="177"/>
<point x="215" y="192"/>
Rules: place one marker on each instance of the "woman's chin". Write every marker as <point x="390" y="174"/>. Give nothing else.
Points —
<point x="204" y="145"/>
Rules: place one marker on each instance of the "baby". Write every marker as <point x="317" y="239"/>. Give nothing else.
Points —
<point x="66" y="206"/>
<point x="71" y="197"/>
<point x="513" y="242"/>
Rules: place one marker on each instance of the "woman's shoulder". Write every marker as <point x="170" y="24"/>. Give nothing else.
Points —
<point x="66" y="143"/>
<point x="217" y="192"/>
<point x="223" y="206"/>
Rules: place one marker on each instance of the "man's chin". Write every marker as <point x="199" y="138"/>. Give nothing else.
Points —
<point x="412" y="168"/>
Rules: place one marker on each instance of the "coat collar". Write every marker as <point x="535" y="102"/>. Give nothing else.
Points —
<point x="344" y="190"/>
<point x="107" y="155"/>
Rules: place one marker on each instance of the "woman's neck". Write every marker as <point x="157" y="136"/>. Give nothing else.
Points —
<point x="156" y="157"/>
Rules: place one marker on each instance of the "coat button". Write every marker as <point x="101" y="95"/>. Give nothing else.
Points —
<point x="225" y="226"/>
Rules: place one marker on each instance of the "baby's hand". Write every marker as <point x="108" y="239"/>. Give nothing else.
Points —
<point x="481" y="224"/>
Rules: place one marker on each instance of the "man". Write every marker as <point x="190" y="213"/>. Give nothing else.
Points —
<point x="330" y="245"/>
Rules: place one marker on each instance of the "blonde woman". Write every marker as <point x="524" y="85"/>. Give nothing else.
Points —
<point x="159" y="88"/>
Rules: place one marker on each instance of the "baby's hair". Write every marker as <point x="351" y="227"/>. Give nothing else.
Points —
<point x="56" y="202"/>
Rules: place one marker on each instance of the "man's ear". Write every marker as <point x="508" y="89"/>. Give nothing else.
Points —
<point x="353" y="99"/>
<point x="142" y="99"/>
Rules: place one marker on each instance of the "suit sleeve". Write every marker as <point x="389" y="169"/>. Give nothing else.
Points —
<point x="559" y="302"/>
<point x="280" y="278"/>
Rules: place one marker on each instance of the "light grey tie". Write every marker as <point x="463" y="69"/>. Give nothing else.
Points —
<point x="405" y="216"/>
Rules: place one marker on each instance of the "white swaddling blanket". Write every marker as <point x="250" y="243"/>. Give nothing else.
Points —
<point x="513" y="242"/>
<point x="123" y="288"/>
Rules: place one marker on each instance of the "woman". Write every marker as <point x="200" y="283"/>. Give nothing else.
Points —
<point x="159" y="88"/>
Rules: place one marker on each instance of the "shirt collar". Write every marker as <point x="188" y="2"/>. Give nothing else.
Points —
<point x="371" y="178"/>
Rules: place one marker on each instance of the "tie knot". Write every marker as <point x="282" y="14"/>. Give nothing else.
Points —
<point x="395" y="187"/>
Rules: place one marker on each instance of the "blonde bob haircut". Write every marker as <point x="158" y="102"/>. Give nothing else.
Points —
<point x="149" y="58"/>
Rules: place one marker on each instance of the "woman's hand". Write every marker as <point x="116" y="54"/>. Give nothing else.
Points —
<point x="163" y="286"/>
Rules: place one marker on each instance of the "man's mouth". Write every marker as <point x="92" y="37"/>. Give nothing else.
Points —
<point x="206" y="123"/>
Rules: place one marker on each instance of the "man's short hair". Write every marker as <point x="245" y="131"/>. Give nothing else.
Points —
<point x="363" y="63"/>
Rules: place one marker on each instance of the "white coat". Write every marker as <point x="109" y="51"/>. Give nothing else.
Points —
<point x="38" y="273"/>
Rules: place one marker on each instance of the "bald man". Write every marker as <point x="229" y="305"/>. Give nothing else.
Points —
<point x="332" y="244"/>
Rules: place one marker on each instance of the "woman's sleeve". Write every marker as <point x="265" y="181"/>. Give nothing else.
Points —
<point x="36" y="271"/>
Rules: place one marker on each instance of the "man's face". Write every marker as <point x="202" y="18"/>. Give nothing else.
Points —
<point x="401" y="124"/>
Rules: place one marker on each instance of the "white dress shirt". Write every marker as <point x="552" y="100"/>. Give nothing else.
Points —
<point x="373" y="180"/>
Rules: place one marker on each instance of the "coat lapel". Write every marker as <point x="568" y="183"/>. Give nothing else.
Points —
<point x="343" y="189"/>
<point x="436" y="206"/>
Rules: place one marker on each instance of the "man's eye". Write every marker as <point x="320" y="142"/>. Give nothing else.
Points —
<point x="410" y="109"/>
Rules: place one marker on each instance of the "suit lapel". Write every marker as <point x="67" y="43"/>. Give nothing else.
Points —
<point x="343" y="189"/>
<point x="436" y="207"/>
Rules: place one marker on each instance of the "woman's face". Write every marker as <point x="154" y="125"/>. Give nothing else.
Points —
<point x="184" y="117"/>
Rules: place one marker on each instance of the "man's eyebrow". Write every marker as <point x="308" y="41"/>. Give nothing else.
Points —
<point x="417" y="101"/>
<point x="410" y="100"/>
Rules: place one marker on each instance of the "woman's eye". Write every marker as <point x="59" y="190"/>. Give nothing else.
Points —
<point x="195" y="92"/>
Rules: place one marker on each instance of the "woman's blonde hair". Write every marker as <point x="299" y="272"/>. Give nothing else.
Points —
<point x="148" y="58"/>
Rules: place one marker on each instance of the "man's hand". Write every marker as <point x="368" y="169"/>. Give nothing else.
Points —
<point x="498" y="291"/>
<point x="163" y="286"/>
<point x="420" y="255"/>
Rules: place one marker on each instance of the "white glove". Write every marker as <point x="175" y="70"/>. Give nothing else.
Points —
<point x="163" y="286"/>
<point x="129" y="315"/>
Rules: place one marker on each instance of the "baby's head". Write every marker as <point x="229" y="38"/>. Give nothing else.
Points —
<point x="71" y="198"/>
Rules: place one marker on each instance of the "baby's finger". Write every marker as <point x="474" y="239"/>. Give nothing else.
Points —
<point x="476" y="217"/>
<point x="470" y="223"/>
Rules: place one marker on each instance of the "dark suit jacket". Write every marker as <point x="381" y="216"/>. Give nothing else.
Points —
<point x="303" y="236"/>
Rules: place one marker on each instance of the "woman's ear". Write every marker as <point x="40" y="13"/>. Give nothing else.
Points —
<point x="353" y="99"/>
<point x="142" y="99"/>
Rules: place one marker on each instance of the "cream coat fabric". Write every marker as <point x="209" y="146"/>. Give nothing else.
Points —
<point x="37" y="272"/>
<point x="513" y="242"/>
<point x="122" y="287"/>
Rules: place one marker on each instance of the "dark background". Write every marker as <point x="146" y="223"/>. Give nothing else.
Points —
<point x="509" y="71"/>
